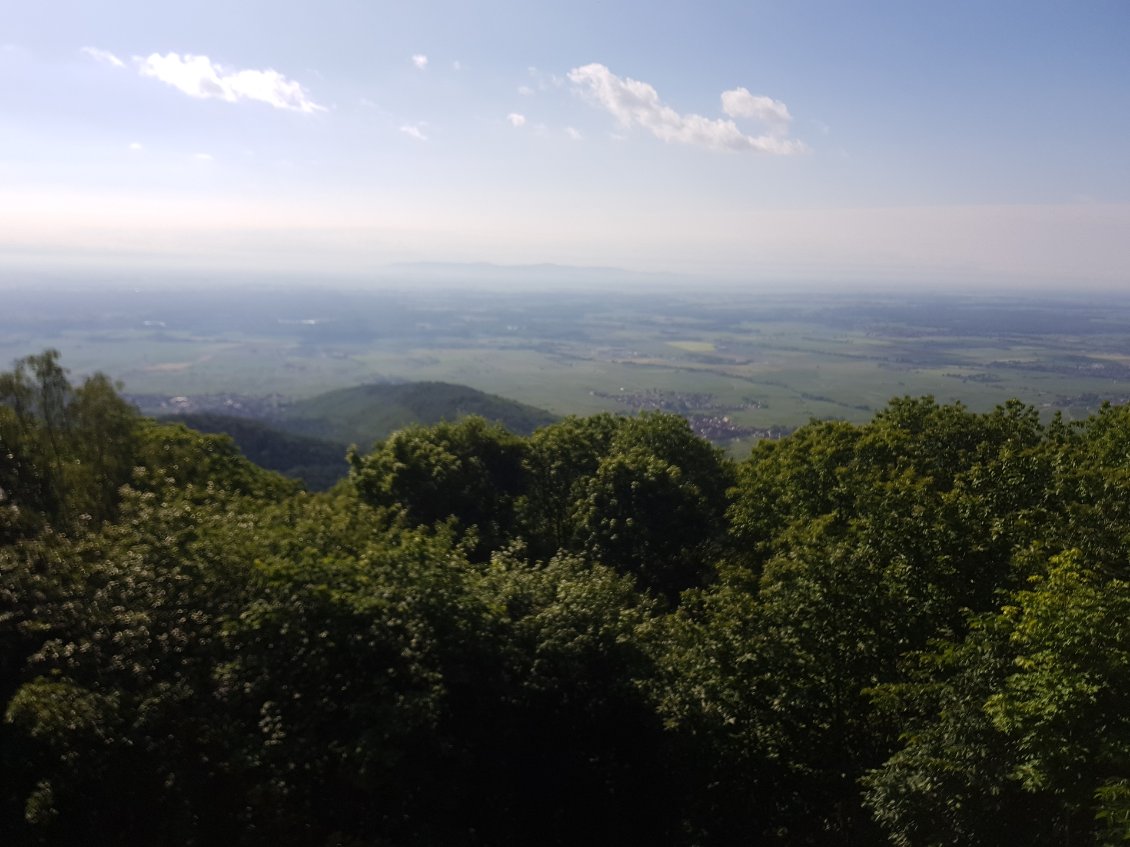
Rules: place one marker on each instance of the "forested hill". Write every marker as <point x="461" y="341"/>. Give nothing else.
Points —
<point x="309" y="441"/>
<point x="913" y="632"/>
<point x="316" y="462"/>
<point x="366" y="413"/>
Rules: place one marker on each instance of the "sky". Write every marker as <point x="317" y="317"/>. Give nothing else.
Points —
<point x="905" y="143"/>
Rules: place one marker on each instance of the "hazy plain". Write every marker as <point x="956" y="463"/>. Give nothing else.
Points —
<point x="738" y="363"/>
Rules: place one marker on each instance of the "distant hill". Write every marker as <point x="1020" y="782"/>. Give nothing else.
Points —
<point x="368" y="413"/>
<point x="309" y="440"/>
<point x="317" y="462"/>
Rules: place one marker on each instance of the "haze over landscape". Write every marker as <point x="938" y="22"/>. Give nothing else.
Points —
<point x="887" y="144"/>
<point x="495" y="423"/>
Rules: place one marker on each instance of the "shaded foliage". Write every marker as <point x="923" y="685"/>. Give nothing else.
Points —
<point x="64" y="450"/>
<point x="470" y="471"/>
<point x="910" y="632"/>
<point x="318" y="463"/>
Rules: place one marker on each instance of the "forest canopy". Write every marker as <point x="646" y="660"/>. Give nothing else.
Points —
<point x="914" y="631"/>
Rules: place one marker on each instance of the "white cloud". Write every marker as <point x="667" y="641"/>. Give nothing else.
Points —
<point x="136" y="145"/>
<point x="739" y="103"/>
<point x="637" y="104"/>
<point x="420" y="61"/>
<point x="516" y="119"/>
<point x="525" y="90"/>
<point x="202" y="157"/>
<point x="103" y="56"/>
<point x="414" y="130"/>
<point x="457" y="65"/>
<point x="573" y="133"/>
<point x="198" y="77"/>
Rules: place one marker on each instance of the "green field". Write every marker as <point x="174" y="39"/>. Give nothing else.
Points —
<point x="757" y="361"/>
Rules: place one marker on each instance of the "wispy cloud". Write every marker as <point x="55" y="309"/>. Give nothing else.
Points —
<point x="136" y="146"/>
<point x="103" y="56"/>
<point x="637" y="104"/>
<point x="516" y="119"/>
<point x="739" y="103"/>
<point x="203" y="157"/>
<point x="420" y="61"/>
<point x="573" y="133"/>
<point x="415" y="131"/>
<point x="198" y="76"/>
<point x="543" y="81"/>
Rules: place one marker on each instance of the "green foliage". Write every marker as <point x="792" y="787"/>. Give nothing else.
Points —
<point x="560" y="460"/>
<point x="174" y="460"/>
<point x="471" y="471"/>
<point x="951" y="780"/>
<point x="912" y="631"/>
<point x="1112" y="801"/>
<point x="1067" y="703"/>
<point x="338" y="670"/>
<point x="319" y="464"/>
<point x="119" y="729"/>
<point x="64" y="450"/>
<point x="560" y="723"/>
<point x="655" y="504"/>
<point x="861" y="546"/>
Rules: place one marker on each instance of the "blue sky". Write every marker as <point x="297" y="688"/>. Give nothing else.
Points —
<point x="905" y="143"/>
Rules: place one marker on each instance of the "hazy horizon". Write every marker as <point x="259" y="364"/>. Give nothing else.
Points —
<point x="487" y="277"/>
<point x="888" y="145"/>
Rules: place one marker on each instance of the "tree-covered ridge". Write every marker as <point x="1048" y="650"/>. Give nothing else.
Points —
<point x="307" y="441"/>
<point x="365" y="413"/>
<point x="908" y="632"/>
<point x="317" y="463"/>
